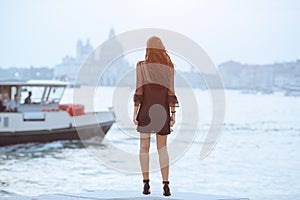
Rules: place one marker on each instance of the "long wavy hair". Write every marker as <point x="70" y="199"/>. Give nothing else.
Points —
<point x="156" y="52"/>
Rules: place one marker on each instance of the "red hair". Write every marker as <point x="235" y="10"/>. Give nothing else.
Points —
<point x="156" y="52"/>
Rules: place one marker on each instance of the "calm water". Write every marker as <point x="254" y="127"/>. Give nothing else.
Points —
<point x="258" y="156"/>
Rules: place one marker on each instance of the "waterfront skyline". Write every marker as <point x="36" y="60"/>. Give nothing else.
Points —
<point x="255" y="32"/>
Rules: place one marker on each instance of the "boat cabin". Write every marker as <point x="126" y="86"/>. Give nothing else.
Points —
<point x="34" y="96"/>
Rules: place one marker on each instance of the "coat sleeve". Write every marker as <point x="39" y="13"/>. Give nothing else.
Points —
<point x="172" y="99"/>
<point x="138" y="96"/>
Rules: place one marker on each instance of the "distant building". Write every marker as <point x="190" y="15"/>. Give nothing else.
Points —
<point x="68" y="69"/>
<point x="231" y="73"/>
<point x="265" y="78"/>
<point x="118" y="68"/>
<point x="25" y="74"/>
<point x="192" y="77"/>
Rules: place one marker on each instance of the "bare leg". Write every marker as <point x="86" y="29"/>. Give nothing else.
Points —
<point x="144" y="154"/>
<point x="161" y="142"/>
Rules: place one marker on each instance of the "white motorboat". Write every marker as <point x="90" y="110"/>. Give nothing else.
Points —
<point x="42" y="119"/>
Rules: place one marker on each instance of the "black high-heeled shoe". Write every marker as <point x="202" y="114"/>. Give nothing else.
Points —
<point x="166" y="188"/>
<point x="146" y="190"/>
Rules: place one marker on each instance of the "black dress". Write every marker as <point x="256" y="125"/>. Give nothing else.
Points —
<point x="155" y="94"/>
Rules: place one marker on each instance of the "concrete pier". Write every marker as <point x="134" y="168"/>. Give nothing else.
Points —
<point x="123" y="195"/>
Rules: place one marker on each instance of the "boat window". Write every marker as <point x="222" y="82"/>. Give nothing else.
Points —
<point x="34" y="116"/>
<point x="54" y="95"/>
<point x="36" y="94"/>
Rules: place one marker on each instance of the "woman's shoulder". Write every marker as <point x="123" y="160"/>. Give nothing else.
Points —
<point x="139" y="63"/>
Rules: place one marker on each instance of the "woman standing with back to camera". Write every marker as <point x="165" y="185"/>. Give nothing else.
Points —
<point x="154" y="107"/>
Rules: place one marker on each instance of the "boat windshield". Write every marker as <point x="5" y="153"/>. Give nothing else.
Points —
<point x="35" y="97"/>
<point x="38" y="94"/>
<point x="53" y="94"/>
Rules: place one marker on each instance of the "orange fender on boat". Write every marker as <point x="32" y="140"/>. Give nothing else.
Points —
<point x="73" y="109"/>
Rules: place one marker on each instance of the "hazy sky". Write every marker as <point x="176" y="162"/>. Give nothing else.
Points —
<point x="250" y="31"/>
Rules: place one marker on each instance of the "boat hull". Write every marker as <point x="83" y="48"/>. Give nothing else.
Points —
<point x="44" y="136"/>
